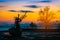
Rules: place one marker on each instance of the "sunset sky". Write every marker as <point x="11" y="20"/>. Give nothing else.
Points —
<point x="32" y="5"/>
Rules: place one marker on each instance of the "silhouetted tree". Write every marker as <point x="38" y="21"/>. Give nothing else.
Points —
<point x="33" y="25"/>
<point x="45" y="16"/>
<point x="16" y="31"/>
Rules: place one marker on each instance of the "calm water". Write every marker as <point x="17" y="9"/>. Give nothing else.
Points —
<point x="3" y="29"/>
<point x="31" y="36"/>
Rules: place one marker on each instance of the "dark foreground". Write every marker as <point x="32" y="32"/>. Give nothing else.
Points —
<point x="31" y="35"/>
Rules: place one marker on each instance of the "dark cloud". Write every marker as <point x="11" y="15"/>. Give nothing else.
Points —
<point x="20" y="11"/>
<point x="26" y="11"/>
<point x="45" y="1"/>
<point x="2" y="6"/>
<point x="32" y="6"/>
<point x="42" y="1"/>
<point x="12" y="10"/>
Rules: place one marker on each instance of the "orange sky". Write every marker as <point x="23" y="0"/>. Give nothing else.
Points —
<point x="31" y="17"/>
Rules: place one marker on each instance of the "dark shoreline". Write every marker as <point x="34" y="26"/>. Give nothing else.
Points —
<point x="33" y="36"/>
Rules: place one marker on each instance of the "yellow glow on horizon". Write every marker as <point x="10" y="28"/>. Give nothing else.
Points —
<point x="31" y="17"/>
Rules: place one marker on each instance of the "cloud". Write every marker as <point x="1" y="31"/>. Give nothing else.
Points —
<point x="45" y="1"/>
<point x="32" y="6"/>
<point x="20" y="11"/>
<point x="12" y="10"/>
<point x="26" y="11"/>
<point x="42" y="1"/>
<point x="2" y="6"/>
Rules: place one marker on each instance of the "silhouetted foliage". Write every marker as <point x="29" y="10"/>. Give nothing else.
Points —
<point x="16" y="31"/>
<point x="45" y="16"/>
<point x="33" y="25"/>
